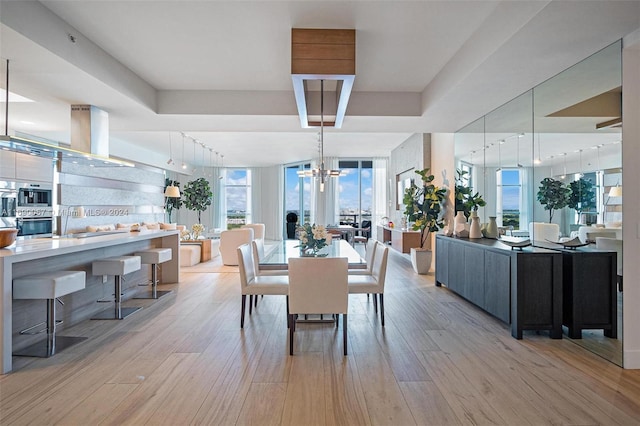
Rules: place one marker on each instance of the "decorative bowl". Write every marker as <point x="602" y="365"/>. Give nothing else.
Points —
<point x="516" y="244"/>
<point x="7" y="237"/>
<point x="570" y="244"/>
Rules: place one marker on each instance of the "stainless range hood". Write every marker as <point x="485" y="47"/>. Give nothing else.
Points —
<point x="89" y="137"/>
<point x="89" y="140"/>
<point x="51" y="149"/>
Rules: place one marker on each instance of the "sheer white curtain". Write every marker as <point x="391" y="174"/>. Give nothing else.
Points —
<point x="219" y="199"/>
<point x="267" y="200"/>
<point x="380" y="187"/>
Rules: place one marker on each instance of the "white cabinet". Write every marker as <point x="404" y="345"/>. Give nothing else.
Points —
<point x="7" y="165"/>
<point x="33" y="168"/>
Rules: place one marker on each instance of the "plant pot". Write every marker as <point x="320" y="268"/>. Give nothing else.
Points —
<point x="421" y="260"/>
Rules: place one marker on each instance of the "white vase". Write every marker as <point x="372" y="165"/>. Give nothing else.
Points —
<point x="421" y="260"/>
<point x="474" y="230"/>
<point x="460" y="227"/>
<point x="492" y="228"/>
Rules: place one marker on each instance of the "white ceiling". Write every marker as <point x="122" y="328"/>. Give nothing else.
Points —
<point x="220" y="70"/>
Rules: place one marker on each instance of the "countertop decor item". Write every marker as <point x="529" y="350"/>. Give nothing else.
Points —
<point x="492" y="228"/>
<point x="7" y="236"/>
<point x="516" y="244"/>
<point x="570" y="244"/>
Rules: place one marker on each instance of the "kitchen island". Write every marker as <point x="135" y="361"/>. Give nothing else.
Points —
<point x="33" y="256"/>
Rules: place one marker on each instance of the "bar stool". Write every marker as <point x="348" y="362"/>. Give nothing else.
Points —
<point x="154" y="257"/>
<point x="116" y="266"/>
<point x="49" y="286"/>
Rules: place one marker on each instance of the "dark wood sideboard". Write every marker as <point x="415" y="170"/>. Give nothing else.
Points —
<point x="520" y="287"/>
<point x="589" y="292"/>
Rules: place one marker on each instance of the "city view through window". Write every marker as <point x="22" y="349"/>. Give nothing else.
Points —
<point x="355" y="194"/>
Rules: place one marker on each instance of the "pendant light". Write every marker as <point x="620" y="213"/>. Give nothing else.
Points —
<point x="184" y="165"/>
<point x="538" y="160"/>
<point x="320" y="172"/>
<point x="170" y="160"/>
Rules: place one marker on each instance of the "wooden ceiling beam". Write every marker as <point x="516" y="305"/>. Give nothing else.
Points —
<point x="323" y="54"/>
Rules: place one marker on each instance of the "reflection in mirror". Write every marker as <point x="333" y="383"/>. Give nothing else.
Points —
<point x="509" y="164"/>
<point x="577" y="118"/>
<point x="469" y="160"/>
<point x="554" y="154"/>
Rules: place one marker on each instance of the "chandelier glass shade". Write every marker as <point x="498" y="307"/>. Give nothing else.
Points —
<point x="320" y="172"/>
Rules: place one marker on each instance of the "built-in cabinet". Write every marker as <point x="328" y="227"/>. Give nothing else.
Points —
<point x="521" y="287"/>
<point x="23" y="167"/>
<point x="401" y="240"/>
<point x="7" y="165"/>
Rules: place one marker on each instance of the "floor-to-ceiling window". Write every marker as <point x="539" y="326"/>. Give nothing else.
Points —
<point x="356" y="191"/>
<point x="509" y="198"/>
<point x="237" y="194"/>
<point x="297" y="196"/>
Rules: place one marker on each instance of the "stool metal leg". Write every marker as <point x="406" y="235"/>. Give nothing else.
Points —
<point x="119" y="312"/>
<point x="51" y="326"/>
<point x="154" y="293"/>
<point x="52" y="344"/>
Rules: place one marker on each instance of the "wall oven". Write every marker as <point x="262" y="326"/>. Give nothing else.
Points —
<point x="34" y="211"/>
<point x="35" y="226"/>
<point x="34" y="196"/>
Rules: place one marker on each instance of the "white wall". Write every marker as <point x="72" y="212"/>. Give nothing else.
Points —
<point x="414" y="153"/>
<point x="444" y="170"/>
<point x="631" y="203"/>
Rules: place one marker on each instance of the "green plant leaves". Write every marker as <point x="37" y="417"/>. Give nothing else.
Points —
<point x="197" y="195"/>
<point x="424" y="204"/>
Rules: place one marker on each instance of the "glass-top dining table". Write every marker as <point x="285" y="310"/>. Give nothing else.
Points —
<point x="277" y="257"/>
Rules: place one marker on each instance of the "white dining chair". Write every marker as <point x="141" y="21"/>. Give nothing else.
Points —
<point x="369" y="256"/>
<point x="253" y="285"/>
<point x="258" y="256"/>
<point x="374" y="283"/>
<point x="318" y="285"/>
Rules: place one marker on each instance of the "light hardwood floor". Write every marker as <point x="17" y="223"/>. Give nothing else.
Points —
<point x="439" y="361"/>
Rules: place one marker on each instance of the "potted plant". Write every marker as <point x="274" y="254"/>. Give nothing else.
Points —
<point x="171" y="203"/>
<point x="197" y="196"/>
<point x="423" y="205"/>
<point x="582" y="197"/>
<point x="553" y="195"/>
<point x="465" y="200"/>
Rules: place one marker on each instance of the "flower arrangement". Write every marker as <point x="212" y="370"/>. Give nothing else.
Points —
<point x="185" y="234"/>
<point x="312" y="238"/>
<point x="196" y="230"/>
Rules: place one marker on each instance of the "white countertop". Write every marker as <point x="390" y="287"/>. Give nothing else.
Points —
<point x="36" y="248"/>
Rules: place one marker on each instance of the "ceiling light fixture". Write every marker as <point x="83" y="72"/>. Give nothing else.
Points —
<point x="320" y="172"/>
<point x="184" y="166"/>
<point x="170" y="160"/>
<point x="194" y="154"/>
<point x="539" y="159"/>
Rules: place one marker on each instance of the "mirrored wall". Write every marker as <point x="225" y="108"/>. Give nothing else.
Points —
<point x="554" y="155"/>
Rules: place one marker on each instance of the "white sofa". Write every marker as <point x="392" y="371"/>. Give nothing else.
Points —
<point x="258" y="230"/>
<point x="542" y="231"/>
<point x="590" y="233"/>
<point x="230" y="241"/>
<point x="189" y="254"/>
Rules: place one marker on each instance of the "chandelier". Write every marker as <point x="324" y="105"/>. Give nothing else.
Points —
<point x="320" y="172"/>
